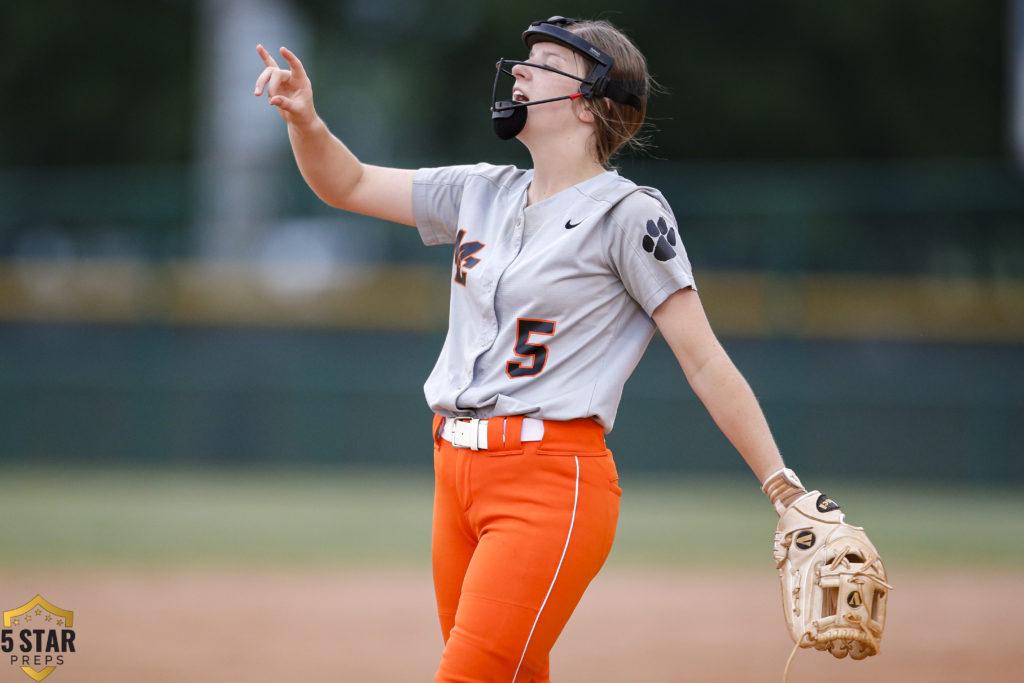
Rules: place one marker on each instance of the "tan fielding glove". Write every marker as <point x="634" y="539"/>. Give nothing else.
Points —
<point x="834" y="586"/>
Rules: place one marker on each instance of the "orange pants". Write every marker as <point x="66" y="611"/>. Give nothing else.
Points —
<point x="519" y="531"/>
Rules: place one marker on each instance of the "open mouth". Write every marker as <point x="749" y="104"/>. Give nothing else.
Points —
<point x="519" y="96"/>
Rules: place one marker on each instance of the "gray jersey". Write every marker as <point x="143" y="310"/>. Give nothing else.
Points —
<point x="550" y="303"/>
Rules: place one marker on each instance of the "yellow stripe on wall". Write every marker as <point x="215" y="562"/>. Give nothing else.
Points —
<point x="902" y="308"/>
<point x="415" y="298"/>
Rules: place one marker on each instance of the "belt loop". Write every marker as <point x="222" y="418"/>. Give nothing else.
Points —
<point x="514" y="432"/>
<point x="496" y="433"/>
<point x="438" y="426"/>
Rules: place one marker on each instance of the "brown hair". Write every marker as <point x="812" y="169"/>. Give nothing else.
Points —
<point x="616" y="124"/>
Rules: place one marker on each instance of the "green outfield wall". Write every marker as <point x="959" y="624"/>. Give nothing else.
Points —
<point x="198" y="396"/>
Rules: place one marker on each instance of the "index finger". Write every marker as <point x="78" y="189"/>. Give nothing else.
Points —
<point x="265" y="56"/>
<point x="293" y="62"/>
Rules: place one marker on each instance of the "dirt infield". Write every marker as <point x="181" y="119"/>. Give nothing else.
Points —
<point x="235" y="625"/>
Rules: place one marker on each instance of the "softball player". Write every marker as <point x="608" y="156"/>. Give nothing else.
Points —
<point x="561" y="275"/>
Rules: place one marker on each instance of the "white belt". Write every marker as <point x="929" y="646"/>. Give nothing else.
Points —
<point x="471" y="432"/>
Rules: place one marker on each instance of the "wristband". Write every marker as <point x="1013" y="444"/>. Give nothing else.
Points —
<point x="782" y="487"/>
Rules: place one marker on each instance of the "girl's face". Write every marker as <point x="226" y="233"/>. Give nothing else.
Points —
<point x="539" y="84"/>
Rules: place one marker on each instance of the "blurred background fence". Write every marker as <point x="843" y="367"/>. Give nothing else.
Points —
<point x="846" y="180"/>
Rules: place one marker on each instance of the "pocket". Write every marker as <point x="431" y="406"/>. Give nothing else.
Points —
<point x="613" y="484"/>
<point x="602" y="458"/>
<point x="613" y="475"/>
<point x="502" y="454"/>
<point x="571" y="452"/>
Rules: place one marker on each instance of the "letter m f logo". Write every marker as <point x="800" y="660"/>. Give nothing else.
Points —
<point x="464" y="259"/>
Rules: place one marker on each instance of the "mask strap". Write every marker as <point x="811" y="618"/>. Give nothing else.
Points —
<point x="624" y="92"/>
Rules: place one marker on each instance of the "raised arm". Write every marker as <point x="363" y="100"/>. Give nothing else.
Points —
<point x="327" y="165"/>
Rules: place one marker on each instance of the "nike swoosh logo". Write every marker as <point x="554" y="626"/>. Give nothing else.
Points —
<point x="569" y="225"/>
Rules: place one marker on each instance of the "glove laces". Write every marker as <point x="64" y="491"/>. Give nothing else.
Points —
<point x="806" y="640"/>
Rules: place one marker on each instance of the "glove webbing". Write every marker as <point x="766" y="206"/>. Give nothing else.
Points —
<point x="871" y="636"/>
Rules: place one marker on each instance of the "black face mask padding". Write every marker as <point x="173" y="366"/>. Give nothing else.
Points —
<point x="510" y="121"/>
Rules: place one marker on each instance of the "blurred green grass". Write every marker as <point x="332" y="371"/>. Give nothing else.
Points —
<point x="71" y="520"/>
<point x="725" y="524"/>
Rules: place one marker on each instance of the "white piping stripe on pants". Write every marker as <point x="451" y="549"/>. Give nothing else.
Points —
<point x="572" y="523"/>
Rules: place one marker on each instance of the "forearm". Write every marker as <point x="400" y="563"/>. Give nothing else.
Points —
<point x="326" y="164"/>
<point x="730" y="401"/>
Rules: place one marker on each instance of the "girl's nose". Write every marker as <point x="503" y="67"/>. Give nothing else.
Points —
<point x="520" y="71"/>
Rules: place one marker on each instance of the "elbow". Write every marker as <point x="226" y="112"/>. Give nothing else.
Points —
<point x="332" y="200"/>
<point x="338" y="193"/>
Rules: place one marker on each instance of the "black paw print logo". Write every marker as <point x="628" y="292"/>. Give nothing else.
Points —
<point x="660" y="239"/>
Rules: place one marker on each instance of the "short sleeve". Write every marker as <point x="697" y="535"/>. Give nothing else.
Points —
<point x="436" y="200"/>
<point x="646" y="249"/>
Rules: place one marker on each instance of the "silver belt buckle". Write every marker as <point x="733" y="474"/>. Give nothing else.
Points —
<point x="466" y="433"/>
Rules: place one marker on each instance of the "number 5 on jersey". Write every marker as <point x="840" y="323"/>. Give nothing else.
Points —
<point x="526" y="348"/>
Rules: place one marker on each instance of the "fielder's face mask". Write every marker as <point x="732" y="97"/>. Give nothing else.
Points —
<point x="509" y="116"/>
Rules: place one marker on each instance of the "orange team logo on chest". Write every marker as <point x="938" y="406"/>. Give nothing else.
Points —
<point x="464" y="257"/>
